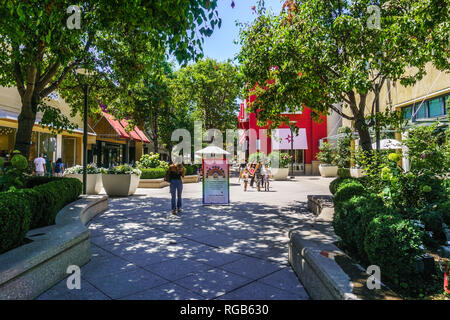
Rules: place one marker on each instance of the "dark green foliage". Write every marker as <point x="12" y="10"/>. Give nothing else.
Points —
<point x="33" y="181"/>
<point x="351" y="219"/>
<point x="191" y="169"/>
<point x="335" y="184"/>
<point x="15" y="219"/>
<point x="393" y="244"/>
<point x="153" y="173"/>
<point x="348" y="190"/>
<point x="344" y="173"/>
<point x="31" y="208"/>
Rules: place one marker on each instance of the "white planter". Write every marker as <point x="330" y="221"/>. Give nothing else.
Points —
<point x="120" y="185"/>
<point x="357" y="172"/>
<point x="94" y="182"/>
<point x="328" y="170"/>
<point x="279" y="173"/>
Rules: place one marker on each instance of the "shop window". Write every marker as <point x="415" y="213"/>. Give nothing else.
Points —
<point x="407" y="112"/>
<point x="421" y="110"/>
<point x="436" y="107"/>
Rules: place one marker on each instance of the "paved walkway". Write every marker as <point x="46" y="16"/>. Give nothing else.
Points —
<point x="239" y="252"/>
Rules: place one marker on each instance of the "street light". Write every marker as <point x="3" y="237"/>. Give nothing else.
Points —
<point x="85" y="85"/>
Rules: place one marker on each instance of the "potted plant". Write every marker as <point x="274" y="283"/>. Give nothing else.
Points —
<point x="279" y="165"/>
<point x="153" y="171"/>
<point x="94" y="177"/>
<point x="357" y="171"/>
<point x="327" y="156"/>
<point x="121" y="180"/>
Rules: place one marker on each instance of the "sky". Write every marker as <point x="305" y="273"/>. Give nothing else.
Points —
<point x="220" y="45"/>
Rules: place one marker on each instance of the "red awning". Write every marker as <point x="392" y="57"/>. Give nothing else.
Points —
<point x="116" y="126"/>
<point x="132" y="133"/>
<point x="141" y="134"/>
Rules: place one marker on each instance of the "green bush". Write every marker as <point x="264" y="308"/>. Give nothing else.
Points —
<point x="153" y="173"/>
<point x="351" y="219"/>
<point x="394" y="245"/>
<point x="31" y="208"/>
<point x="347" y="190"/>
<point x="334" y="185"/>
<point x="33" y="181"/>
<point x="15" y="219"/>
<point x="344" y="173"/>
<point x="191" y="169"/>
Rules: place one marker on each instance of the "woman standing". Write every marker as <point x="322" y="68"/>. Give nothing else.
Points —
<point x="174" y="175"/>
<point x="59" y="168"/>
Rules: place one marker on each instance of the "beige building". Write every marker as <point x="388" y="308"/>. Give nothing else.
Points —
<point x="66" y="145"/>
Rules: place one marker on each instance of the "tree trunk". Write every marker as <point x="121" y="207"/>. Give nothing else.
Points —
<point x="364" y="136"/>
<point x="25" y="125"/>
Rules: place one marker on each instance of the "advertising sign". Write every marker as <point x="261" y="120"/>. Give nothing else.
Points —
<point x="216" y="181"/>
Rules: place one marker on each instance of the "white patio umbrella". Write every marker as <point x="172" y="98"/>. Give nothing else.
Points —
<point x="212" y="150"/>
<point x="388" y="144"/>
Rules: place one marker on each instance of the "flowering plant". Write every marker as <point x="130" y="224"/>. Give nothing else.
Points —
<point x="124" y="169"/>
<point x="90" y="169"/>
<point x="279" y="159"/>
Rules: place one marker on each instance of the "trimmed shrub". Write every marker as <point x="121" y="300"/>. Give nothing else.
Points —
<point x="351" y="219"/>
<point x="31" y="208"/>
<point x="153" y="173"/>
<point x="394" y="245"/>
<point x="348" y="190"/>
<point x="33" y="181"/>
<point x="344" y="173"/>
<point x="15" y="219"/>
<point x="334" y="185"/>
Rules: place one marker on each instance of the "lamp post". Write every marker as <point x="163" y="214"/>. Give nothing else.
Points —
<point x="292" y="124"/>
<point x="85" y="85"/>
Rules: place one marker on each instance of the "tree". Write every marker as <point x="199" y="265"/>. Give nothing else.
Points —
<point x="320" y="53"/>
<point x="43" y="42"/>
<point x="210" y="89"/>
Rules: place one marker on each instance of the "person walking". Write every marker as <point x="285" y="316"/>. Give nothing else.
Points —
<point x="245" y="178"/>
<point x="258" y="175"/>
<point x="174" y="176"/>
<point x="59" y="168"/>
<point x="48" y="166"/>
<point x="40" y="166"/>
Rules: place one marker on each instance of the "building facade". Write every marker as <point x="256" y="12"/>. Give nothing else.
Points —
<point x="303" y="145"/>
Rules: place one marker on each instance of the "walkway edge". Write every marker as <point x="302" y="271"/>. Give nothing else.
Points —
<point x="29" y="270"/>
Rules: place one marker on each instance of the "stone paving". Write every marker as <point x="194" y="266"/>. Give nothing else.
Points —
<point x="238" y="251"/>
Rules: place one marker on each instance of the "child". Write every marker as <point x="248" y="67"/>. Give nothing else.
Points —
<point x="266" y="179"/>
<point x="245" y="176"/>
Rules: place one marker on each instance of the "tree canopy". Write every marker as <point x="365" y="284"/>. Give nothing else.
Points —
<point x="43" y="42"/>
<point x="321" y="53"/>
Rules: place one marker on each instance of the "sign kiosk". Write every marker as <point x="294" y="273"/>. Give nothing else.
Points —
<point x="216" y="177"/>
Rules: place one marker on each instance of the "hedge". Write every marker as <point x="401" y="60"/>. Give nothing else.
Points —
<point x="33" y="181"/>
<point x="153" y="173"/>
<point x="347" y="190"/>
<point x="344" y="173"/>
<point x="393" y="244"/>
<point x="31" y="208"/>
<point x="334" y="185"/>
<point x="351" y="219"/>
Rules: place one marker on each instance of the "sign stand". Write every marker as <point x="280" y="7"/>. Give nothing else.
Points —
<point x="215" y="182"/>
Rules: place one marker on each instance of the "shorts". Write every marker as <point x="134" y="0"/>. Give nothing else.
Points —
<point x="40" y="173"/>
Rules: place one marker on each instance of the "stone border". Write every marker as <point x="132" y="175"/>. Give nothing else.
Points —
<point x="325" y="271"/>
<point x="160" y="183"/>
<point x="31" y="269"/>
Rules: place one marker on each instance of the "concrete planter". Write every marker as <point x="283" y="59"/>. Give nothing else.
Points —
<point x="120" y="185"/>
<point x="94" y="182"/>
<point x="279" y="173"/>
<point x="327" y="170"/>
<point x="153" y="183"/>
<point x="190" y="179"/>
<point x="357" y="172"/>
<point x="31" y="269"/>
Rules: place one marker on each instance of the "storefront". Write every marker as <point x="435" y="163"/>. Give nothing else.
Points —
<point x="302" y="142"/>
<point x="114" y="145"/>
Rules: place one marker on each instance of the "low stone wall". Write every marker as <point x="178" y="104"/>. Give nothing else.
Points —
<point x="29" y="270"/>
<point x="160" y="183"/>
<point x="326" y="272"/>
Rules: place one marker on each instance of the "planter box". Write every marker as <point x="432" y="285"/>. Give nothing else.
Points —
<point x="94" y="182"/>
<point x="279" y="173"/>
<point x="357" y="172"/>
<point x="153" y="183"/>
<point x="31" y="269"/>
<point x="120" y="185"/>
<point x="328" y="171"/>
<point x="190" y="179"/>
